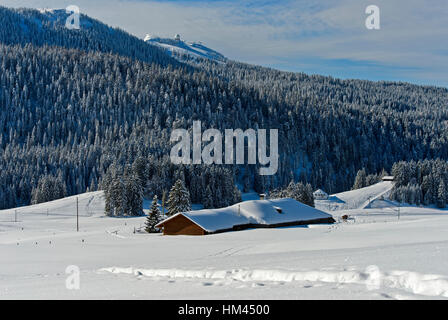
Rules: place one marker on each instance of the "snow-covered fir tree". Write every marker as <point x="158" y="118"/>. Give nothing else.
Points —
<point x="297" y="191"/>
<point x="178" y="199"/>
<point x="207" y="201"/>
<point x="420" y="182"/>
<point x="123" y="194"/>
<point x="48" y="188"/>
<point x="360" y="180"/>
<point x="442" y="195"/>
<point x="154" y="217"/>
<point x="134" y="195"/>
<point x="115" y="194"/>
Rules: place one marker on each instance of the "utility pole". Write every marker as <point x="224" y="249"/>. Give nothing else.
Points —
<point x="163" y="202"/>
<point x="15" y="215"/>
<point x="398" y="211"/>
<point x="77" y="215"/>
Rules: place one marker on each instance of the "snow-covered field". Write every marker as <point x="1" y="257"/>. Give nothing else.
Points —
<point x="356" y="199"/>
<point x="373" y="255"/>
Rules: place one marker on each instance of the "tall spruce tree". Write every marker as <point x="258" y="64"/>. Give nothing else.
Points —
<point x="207" y="199"/>
<point x="441" y="195"/>
<point x="48" y="188"/>
<point x="360" y="180"/>
<point x="178" y="199"/>
<point x="134" y="195"/>
<point x="154" y="217"/>
<point x="297" y="191"/>
<point x="124" y="195"/>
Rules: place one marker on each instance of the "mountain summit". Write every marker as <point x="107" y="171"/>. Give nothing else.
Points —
<point x="180" y="49"/>
<point x="46" y="27"/>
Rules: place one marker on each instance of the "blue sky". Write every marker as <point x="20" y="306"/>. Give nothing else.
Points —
<point x="326" y="37"/>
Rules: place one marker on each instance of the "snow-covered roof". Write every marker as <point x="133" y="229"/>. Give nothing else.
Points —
<point x="263" y="212"/>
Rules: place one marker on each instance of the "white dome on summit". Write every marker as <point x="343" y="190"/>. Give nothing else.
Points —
<point x="177" y="37"/>
<point x="149" y="37"/>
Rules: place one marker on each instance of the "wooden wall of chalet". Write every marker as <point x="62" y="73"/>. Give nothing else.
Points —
<point x="181" y="225"/>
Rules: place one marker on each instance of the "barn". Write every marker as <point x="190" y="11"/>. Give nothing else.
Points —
<point x="249" y="214"/>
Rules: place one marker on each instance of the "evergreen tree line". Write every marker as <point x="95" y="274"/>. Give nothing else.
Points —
<point x="421" y="182"/>
<point x="123" y="192"/>
<point x="363" y="179"/>
<point x="297" y="191"/>
<point x="154" y="217"/>
<point x="48" y="188"/>
<point x="178" y="201"/>
<point x="126" y="186"/>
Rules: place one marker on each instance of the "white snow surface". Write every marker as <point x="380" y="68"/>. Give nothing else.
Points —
<point x="356" y="199"/>
<point x="372" y="277"/>
<point x="373" y="255"/>
<point x="253" y="212"/>
<point x="177" y="48"/>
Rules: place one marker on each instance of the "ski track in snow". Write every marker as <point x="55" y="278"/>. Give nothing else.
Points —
<point x="372" y="277"/>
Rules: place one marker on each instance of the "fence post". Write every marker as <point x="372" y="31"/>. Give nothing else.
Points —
<point x="77" y="215"/>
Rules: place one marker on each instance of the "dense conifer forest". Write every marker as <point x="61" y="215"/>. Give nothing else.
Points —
<point x="82" y="109"/>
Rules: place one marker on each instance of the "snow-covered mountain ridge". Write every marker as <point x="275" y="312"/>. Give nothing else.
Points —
<point x="179" y="48"/>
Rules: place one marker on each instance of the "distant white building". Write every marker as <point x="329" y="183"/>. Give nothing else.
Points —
<point x="319" y="194"/>
<point x="150" y="37"/>
<point x="177" y="37"/>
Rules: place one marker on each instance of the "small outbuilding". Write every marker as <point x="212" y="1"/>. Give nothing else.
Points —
<point x="249" y="214"/>
<point x="388" y="178"/>
<point x="319" y="194"/>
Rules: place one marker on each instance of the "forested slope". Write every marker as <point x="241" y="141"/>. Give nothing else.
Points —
<point x="71" y="111"/>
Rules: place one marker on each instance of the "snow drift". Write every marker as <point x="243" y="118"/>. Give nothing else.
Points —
<point x="372" y="277"/>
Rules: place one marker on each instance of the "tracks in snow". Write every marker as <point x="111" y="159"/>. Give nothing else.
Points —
<point x="372" y="277"/>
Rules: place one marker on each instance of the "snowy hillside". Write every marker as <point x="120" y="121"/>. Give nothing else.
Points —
<point x="356" y="199"/>
<point x="374" y="255"/>
<point x="48" y="27"/>
<point x="178" y="48"/>
<point x="89" y="204"/>
<point x="58" y="17"/>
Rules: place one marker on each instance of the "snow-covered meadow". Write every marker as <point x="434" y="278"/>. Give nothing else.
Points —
<point x="372" y="255"/>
